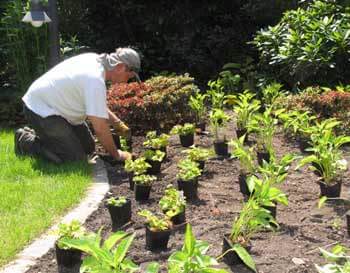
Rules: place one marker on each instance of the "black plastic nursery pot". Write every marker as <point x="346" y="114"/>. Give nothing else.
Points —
<point x="131" y="180"/>
<point x="331" y="191"/>
<point x="157" y="240"/>
<point x="179" y="218"/>
<point x="263" y="155"/>
<point x="68" y="260"/>
<point x="243" y="187"/>
<point x="348" y="222"/>
<point x="155" y="167"/>
<point x="142" y="192"/>
<point x="201" y="164"/>
<point x="190" y="188"/>
<point x="231" y="258"/>
<point x="120" y="215"/>
<point x="187" y="140"/>
<point x="221" y="147"/>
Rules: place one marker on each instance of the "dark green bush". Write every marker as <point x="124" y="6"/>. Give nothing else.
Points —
<point x="308" y="46"/>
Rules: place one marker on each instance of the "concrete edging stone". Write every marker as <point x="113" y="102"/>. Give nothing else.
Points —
<point x="95" y="193"/>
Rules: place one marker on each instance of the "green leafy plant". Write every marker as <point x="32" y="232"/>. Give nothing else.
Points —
<point x="69" y="230"/>
<point x="155" y="223"/>
<point x="296" y="122"/>
<point x="117" y="202"/>
<point x="271" y="92"/>
<point x="188" y="170"/>
<point x="265" y="126"/>
<point x="124" y="144"/>
<point x="183" y="130"/>
<point x="338" y="260"/>
<point x="251" y="219"/>
<point x="245" y="155"/>
<point x="245" y="107"/>
<point x="218" y="120"/>
<point x="198" y="153"/>
<point x="173" y="202"/>
<point x="144" y="179"/>
<point x="138" y="166"/>
<point x="216" y="93"/>
<point x="326" y="157"/>
<point x="156" y="142"/>
<point x="192" y="257"/>
<point x="154" y="155"/>
<point x="197" y="104"/>
<point x="106" y="257"/>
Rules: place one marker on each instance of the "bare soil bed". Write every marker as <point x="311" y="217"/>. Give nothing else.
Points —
<point x="293" y="248"/>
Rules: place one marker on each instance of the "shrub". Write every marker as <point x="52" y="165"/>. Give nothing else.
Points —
<point x="309" y="45"/>
<point x="158" y="104"/>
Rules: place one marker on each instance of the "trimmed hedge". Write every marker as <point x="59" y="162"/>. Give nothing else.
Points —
<point x="158" y="104"/>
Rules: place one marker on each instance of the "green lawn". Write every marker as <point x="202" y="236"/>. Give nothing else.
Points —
<point x="33" y="193"/>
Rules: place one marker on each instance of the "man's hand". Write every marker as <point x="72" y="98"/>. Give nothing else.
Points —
<point x="123" y="155"/>
<point x="121" y="129"/>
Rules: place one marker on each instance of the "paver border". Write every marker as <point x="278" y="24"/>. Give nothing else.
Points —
<point x="95" y="193"/>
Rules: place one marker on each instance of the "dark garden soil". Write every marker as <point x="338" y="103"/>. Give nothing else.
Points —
<point x="292" y="248"/>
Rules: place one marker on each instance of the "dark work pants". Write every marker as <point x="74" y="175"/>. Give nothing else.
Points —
<point x="54" y="133"/>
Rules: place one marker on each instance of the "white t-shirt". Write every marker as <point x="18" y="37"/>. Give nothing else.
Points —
<point x="73" y="89"/>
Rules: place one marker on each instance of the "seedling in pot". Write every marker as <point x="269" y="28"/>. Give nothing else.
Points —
<point x="199" y="155"/>
<point x="155" y="142"/>
<point x="188" y="178"/>
<point x="143" y="185"/>
<point x="157" y="230"/>
<point x="173" y="204"/>
<point x="218" y="120"/>
<point x="185" y="132"/>
<point x="251" y="219"/>
<point x="155" y="159"/>
<point x="68" y="259"/>
<point x="109" y="256"/>
<point x="120" y="211"/>
<point x="192" y="257"/>
<point x="136" y="167"/>
<point x="338" y="260"/>
<point x="197" y="104"/>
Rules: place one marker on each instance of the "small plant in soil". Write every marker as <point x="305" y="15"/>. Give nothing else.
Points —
<point x="152" y="155"/>
<point x="187" y="178"/>
<point x="117" y="202"/>
<point x="198" y="153"/>
<point x="70" y="230"/>
<point x="295" y="123"/>
<point x="185" y="132"/>
<point x="144" y="179"/>
<point x="192" y="257"/>
<point x="155" y="223"/>
<point x="197" y="104"/>
<point x="245" y="107"/>
<point x="173" y="202"/>
<point x="271" y="93"/>
<point x="143" y="186"/>
<point x="218" y="120"/>
<point x="137" y="167"/>
<point x="327" y="159"/>
<point x="251" y="219"/>
<point x="109" y="256"/>
<point x="217" y="94"/>
<point x="338" y="260"/>
<point x="156" y="142"/>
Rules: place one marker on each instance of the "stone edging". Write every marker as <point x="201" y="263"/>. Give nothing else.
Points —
<point x="25" y="259"/>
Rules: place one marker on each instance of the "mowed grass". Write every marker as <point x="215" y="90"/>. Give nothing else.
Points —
<point x="33" y="193"/>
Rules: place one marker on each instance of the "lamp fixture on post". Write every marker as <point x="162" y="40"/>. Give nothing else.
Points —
<point x="36" y="16"/>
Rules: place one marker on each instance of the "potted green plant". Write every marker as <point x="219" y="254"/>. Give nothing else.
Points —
<point x="236" y="244"/>
<point x="187" y="178"/>
<point x="185" y="132"/>
<point x="218" y="120"/>
<point x="244" y="108"/>
<point x="135" y="167"/>
<point x="68" y="259"/>
<point x="265" y="126"/>
<point x="173" y="204"/>
<point x="120" y="210"/>
<point x="155" y="159"/>
<point x="246" y="157"/>
<point x="143" y="186"/>
<point x="157" y="230"/>
<point x="192" y="257"/>
<point x="199" y="155"/>
<point x="108" y="256"/>
<point x="155" y="142"/>
<point x="197" y="104"/>
<point x="338" y="260"/>
<point x="126" y="144"/>
<point x="327" y="161"/>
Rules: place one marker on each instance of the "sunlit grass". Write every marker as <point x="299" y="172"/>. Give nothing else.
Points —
<point x="33" y="193"/>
